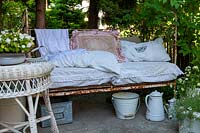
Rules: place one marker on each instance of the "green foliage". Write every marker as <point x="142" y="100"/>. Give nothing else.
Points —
<point x="188" y="108"/>
<point x="150" y="19"/>
<point x="117" y="14"/>
<point x="187" y="84"/>
<point x="65" y="14"/>
<point x="31" y="6"/>
<point x="188" y="94"/>
<point x="12" y="14"/>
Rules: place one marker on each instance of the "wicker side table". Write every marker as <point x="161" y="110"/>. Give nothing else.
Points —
<point x="27" y="79"/>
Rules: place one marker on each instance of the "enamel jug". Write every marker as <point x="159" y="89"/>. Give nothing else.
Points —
<point x="171" y="109"/>
<point x="155" y="108"/>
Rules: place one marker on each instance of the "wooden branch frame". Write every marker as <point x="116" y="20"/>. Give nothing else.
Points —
<point x="68" y="90"/>
<point x="64" y="91"/>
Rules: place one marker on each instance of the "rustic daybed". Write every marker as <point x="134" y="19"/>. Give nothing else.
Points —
<point x="138" y="73"/>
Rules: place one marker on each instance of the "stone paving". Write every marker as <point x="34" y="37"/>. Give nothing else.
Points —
<point x="95" y="114"/>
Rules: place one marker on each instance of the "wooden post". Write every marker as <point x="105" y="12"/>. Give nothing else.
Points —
<point x="175" y="39"/>
<point x="26" y="26"/>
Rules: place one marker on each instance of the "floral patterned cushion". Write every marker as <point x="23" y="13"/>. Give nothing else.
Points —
<point x="97" y="40"/>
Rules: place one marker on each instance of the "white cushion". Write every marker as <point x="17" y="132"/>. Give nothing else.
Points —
<point x="146" y="51"/>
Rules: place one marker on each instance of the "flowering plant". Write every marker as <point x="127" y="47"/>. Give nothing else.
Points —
<point x="15" y="42"/>
<point x="188" y="88"/>
<point x="190" y="82"/>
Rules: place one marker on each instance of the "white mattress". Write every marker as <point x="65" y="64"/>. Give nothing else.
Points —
<point x="131" y="72"/>
<point x="72" y="76"/>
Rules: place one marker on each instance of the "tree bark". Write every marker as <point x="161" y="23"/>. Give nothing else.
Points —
<point x="1" y="15"/>
<point x="93" y="14"/>
<point x="40" y="14"/>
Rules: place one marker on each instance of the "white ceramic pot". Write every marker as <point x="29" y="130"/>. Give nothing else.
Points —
<point x="12" y="58"/>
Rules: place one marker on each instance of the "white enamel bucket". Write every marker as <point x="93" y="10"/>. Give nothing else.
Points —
<point x="126" y="104"/>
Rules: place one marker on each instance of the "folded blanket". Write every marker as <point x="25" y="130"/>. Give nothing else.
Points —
<point x="52" y="41"/>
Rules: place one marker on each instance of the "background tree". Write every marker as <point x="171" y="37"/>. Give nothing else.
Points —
<point x="1" y="13"/>
<point x="65" y="14"/>
<point x="12" y="14"/>
<point x="93" y="12"/>
<point x="40" y="13"/>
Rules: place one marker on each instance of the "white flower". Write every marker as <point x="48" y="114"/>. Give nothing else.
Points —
<point x="27" y="36"/>
<point x="8" y="40"/>
<point x="196" y="114"/>
<point x="3" y="32"/>
<point x="15" y="39"/>
<point x="185" y="112"/>
<point x="189" y="108"/>
<point x="186" y="79"/>
<point x="21" y="36"/>
<point x="195" y="67"/>
<point x="188" y="68"/>
<point x="23" y="46"/>
<point x="171" y="85"/>
<point x="180" y="80"/>
<point x="187" y="75"/>
<point x="29" y="45"/>
<point x="198" y="84"/>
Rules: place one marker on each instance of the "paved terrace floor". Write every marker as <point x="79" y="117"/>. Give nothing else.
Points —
<point x="95" y="114"/>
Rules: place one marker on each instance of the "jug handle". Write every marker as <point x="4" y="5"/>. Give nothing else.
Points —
<point x="138" y="105"/>
<point x="146" y="101"/>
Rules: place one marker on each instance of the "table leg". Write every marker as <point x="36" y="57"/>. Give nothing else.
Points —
<point x="32" y="115"/>
<point x="47" y="102"/>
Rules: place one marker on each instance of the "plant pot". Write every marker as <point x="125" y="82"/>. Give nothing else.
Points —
<point x="10" y="111"/>
<point x="12" y="58"/>
<point x="189" y="126"/>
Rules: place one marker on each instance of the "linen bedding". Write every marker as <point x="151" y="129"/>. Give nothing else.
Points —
<point x="131" y="72"/>
<point x="79" y="67"/>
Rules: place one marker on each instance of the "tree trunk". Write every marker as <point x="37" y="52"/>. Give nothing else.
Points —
<point x="1" y="13"/>
<point x="40" y="14"/>
<point x="93" y="14"/>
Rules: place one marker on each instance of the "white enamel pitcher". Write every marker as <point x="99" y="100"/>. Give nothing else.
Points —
<point x="155" y="108"/>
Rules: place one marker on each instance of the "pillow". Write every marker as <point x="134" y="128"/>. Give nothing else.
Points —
<point x="146" y="51"/>
<point x="100" y="60"/>
<point x="97" y="40"/>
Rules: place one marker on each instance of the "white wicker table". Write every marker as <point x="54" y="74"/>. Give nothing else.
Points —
<point x="27" y="79"/>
